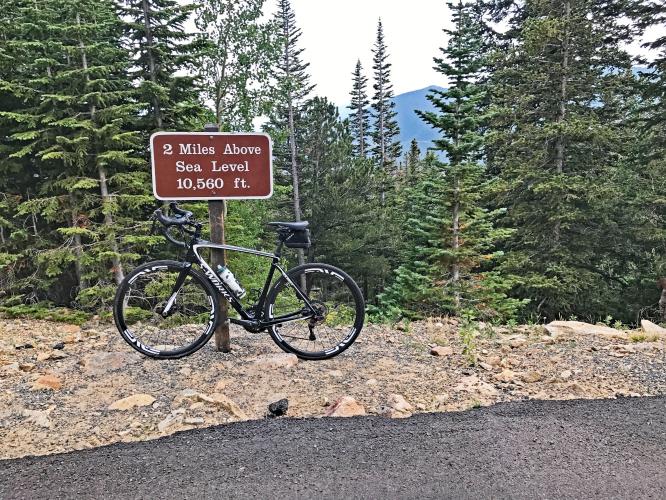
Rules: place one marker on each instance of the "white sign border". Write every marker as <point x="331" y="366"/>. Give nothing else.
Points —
<point x="270" y="166"/>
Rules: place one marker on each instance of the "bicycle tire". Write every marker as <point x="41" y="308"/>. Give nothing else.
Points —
<point x="295" y="276"/>
<point x="134" y="338"/>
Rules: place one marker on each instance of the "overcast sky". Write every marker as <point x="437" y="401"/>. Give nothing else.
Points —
<point x="337" y="33"/>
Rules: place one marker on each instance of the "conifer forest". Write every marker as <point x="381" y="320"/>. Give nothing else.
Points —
<point x="543" y="196"/>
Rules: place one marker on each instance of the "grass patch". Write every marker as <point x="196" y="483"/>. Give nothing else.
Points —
<point x="47" y="312"/>
<point x="643" y="337"/>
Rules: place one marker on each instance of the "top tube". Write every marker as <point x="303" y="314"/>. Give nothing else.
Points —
<point x="233" y="248"/>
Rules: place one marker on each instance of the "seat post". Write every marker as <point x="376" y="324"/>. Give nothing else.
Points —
<point x="278" y="250"/>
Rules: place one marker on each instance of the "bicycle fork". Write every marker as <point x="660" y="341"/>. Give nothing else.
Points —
<point x="180" y="281"/>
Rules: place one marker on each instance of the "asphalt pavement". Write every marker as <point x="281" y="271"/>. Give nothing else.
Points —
<point x="532" y="449"/>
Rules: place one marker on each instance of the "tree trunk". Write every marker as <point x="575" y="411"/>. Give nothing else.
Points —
<point x="78" y="251"/>
<point x="559" y="144"/>
<point x="662" y="299"/>
<point x="118" y="273"/>
<point x="292" y="146"/>
<point x="151" y="61"/>
<point x="108" y="221"/>
<point x="455" y="243"/>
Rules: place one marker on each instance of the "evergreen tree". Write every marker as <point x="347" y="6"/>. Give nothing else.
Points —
<point x="359" y="123"/>
<point x="412" y="159"/>
<point x="162" y="52"/>
<point x="339" y="197"/>
<point x="74" y="132"/>
<point x="293" y="87"/>
<point x="558" y="131"/>
<point x="452" y="235"/>
<point x="386" y="148"/>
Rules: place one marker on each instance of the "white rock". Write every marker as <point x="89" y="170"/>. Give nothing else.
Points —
<point x="40" y="418"/>
<point x="346" y="406"/>
<point x="132" y="401"/>
<point x="171" y="420"/>
<point x="276" y="361"/>
<point x="440" y="350"/>
<point x="651" y="329"/>
<point x="580" y="328"/>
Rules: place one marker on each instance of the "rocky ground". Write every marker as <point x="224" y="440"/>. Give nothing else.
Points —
<point x="65" y="388"/>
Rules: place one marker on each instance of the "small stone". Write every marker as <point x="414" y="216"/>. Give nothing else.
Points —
<point x="371" y="382"/>
<point x="185" y="371"/>
<point x="222" y="384"/>
<point x="506" y="376"/>
<point x="442" y="350"/>
<point x="276" y="361"/>
<point x="336" y="373"/>
<point x="531" y="376"/>
<point x="47" y="382"/>
<point x="70" y="329"/>
<point x="346" y="406"/>
<point x="442" y="399"/>
<point x="26" y="367"/>
<point x="566" y="375"/>
<point x="493" y="360"/>
<point x="54" y="355"/>
<point x="59" y="346"/>
<point x="196" y="406"/>
<point x="39" y="418"/>
<point x="23" y="346"/>
<point x="420" y="406"/>
<point x="225" y="403"/>
<point x="104" y="362"/>
<point x="396" y="407"/>
<point x="194" y="421"/>
<point x="486" y="366"/>
<point x="132" y="401"/>
<point x="171" y="420"/>
<point x="439" y="324"/>
<point x="10" y="368"/>
<point x="278" y="408"/>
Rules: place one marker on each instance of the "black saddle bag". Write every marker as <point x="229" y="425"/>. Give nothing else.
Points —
<point x="298" y="239"/>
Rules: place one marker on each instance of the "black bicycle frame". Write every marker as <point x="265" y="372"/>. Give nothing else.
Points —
<point x="250" y="317"/>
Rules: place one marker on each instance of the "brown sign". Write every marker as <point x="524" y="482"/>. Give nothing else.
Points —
<point x="211" y="165"/>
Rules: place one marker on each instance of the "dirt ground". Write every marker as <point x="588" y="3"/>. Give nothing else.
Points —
<point x="66" y="388"/>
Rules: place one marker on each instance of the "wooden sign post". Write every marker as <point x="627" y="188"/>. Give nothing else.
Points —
<point x="212" y="166"/>
<point x="217" y="210"/>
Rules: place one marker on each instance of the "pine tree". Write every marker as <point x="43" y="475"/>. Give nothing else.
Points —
<point x="293" y="87"/>
<point x="162" y="52"/>
<point x="558" y="131"/>
<point x="412" y="159"/>
<point x="386" y="148"/>
<point x="452" y="235"/>
<point x="87" y="170"/>
<point x="359" y="123"/>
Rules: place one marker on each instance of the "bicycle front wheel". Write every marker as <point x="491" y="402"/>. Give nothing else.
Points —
<point x="339" y="305"/>
<point x="165" y="309"/>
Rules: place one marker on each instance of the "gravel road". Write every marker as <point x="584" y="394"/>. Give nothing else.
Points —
<point x="532" y="449"/>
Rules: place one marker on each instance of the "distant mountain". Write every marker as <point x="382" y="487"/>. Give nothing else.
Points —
<point x="411" y="125"/>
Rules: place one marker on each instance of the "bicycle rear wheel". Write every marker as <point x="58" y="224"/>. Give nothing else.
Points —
<point x="339" y="304"/>
<point x="165" y="309"/>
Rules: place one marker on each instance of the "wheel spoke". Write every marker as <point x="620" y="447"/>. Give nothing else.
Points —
<point x="144" y="301"/>
<point x="336" y="303"/>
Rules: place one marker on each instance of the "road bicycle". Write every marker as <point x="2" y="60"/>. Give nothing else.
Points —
<point x="168" y="309"/>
